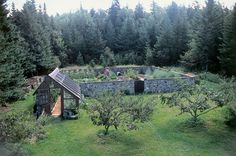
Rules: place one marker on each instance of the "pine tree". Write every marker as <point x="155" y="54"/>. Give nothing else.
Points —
<point x="178" y="20"/>
<point x="80" y="59"/>
<point x="94" y="44"/>
<point x="114" y="14"/>
<point x="34" y="29"/>
<point x="206" y="39"/>
<point x="57" y="44"/>
<point x="163" y="49"/>
<point x="12" y="53"/>
<point x="228" y="48"/>
<point x="107" y="58"/>
<point x="149" y="55"/>
<point x="154" y="23"/>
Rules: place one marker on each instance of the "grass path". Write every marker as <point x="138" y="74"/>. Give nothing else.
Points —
<point x="164" y="135"/>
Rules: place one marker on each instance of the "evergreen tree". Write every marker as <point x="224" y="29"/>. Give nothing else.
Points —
<point x="205" y="42"/>
<point x="114" y="14"/>
<point x="57" y="44"/>
<point x="228" y="49"/>
<point x="35" y="32"/>
<point x="178" y="20"/>
<point x="139" y="12"/>
<point x="163" y="49"/>
<point x="80" y="59"/>
<point x="12" y="53"/>
<point x="149" y="55"/>
<point x="107" y="59"/>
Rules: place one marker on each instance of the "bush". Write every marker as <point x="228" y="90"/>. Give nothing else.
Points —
<point x="83" y="74"/>
<point x="21" y="126"/>
<point x="227" y="94"/>
<point x="211" y="77"/>
<point x="130" y="73"/>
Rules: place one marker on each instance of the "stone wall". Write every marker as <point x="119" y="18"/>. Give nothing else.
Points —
<point x="128" y="86"/>
<point x="150" y="86"/>
<point x="95" y="88"/>
<point x="165" y="85"/>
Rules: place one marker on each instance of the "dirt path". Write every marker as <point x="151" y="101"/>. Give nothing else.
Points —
<point x="56" y="111"/>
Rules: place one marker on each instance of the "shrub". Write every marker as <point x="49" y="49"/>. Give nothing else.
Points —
<point x="130" y="73"/>
<point x="227" y="94"/>
<point x="21" y="126"/>
<point x="211" y="77"/>
<point x="83" y="74"/>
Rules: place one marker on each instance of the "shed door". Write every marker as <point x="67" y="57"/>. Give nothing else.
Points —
<point x="139" y="86"/>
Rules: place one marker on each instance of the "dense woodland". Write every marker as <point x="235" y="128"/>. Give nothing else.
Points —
<point x="33" y="43"/>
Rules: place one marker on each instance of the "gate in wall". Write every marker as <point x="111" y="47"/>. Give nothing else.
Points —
<point x="139" y="86"/>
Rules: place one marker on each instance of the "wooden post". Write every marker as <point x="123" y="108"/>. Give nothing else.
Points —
<point x="77" y="105"/>
<point x="62" y="102"/>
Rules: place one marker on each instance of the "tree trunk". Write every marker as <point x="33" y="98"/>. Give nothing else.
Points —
<point x="106" y="130"/>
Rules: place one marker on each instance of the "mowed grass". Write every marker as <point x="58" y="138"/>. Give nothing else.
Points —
<point x="165" y="134"/>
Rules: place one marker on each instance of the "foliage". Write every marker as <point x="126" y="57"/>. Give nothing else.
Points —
<point x="86" y="73"/>
<point x="206" y="34"/>
<point x="227" y="52"/>
<point x="165" y="36"/>
<point x="227" y="94"/>
<point x="20" y="126"/>
<point x="158" y="73"/>
<point x="130" y="73"/>
<point x="13" y="56"/>
<point x="164" y="130"/>
<point x="34" y="28"/>
<point x="215" y="78"/>
<point x="80" y="59"/>
<point x="149" y="55"/>
<point x="195" y="100"/>
<point x="114" y="110"/>
<point x="107" y="59"/>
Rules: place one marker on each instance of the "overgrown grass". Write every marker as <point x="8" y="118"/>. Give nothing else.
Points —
<point x="165" y="134"/>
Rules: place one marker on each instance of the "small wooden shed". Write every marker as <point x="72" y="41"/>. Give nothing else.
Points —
<point x="56" y="79"/>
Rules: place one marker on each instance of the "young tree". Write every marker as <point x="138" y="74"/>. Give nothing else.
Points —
<point x="115" y="110"/>
<point x="227" y="94"/>
<point x="194" y="100"/>
<point x="148" y="55"/>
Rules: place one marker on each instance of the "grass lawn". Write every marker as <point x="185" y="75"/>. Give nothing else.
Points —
<point x="165" y="134"/>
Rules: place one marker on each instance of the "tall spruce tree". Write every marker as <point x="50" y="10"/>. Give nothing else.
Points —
<point x="12" y="54"/>
<point x="34" y="29"/>
<point x="163" y="49"/>
<point x="205" y="42"/>
<point x="228" y="50"/>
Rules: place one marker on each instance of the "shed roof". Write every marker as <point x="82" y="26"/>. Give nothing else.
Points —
<point x="65" y="82"/>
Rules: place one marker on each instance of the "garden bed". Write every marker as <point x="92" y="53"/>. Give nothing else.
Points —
<point x="131" y="79"/>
